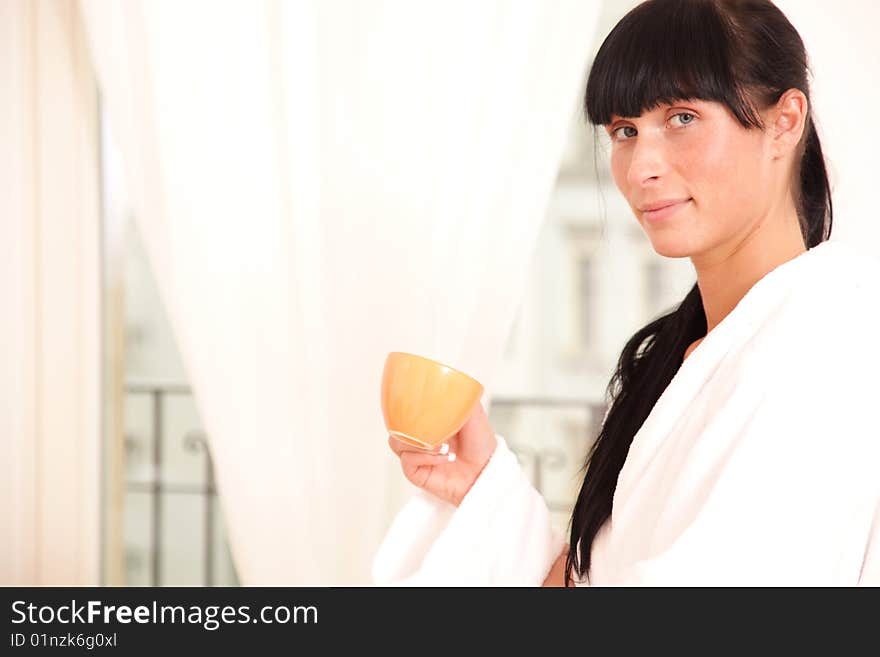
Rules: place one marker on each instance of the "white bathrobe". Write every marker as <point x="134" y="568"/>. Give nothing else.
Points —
<point x="759" y="464"/>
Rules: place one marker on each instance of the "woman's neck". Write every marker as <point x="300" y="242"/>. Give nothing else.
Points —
<point x="729" y="271"/>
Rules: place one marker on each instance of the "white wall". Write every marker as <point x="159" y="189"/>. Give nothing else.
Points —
<point x="842" y="45"/>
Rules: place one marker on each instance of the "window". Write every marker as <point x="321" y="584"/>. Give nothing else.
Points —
<point x="655" y="288"/>
<point x="586" y="291"/>
<point x="584" y="285"/>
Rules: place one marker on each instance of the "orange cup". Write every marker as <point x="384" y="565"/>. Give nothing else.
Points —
<point x="425" y="402"/>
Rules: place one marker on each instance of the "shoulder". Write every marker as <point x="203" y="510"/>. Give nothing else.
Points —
<point x="822" y="328"/>
<point x="837" y="289"/>
<point x="844" y="267"/>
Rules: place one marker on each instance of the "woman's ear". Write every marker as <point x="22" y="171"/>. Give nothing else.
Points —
<point x="787" y="120"/>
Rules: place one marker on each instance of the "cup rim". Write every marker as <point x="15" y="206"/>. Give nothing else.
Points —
<point x="436" y="362"/>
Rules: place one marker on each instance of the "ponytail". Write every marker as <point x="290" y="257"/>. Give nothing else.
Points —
<point x="816" y="210"/>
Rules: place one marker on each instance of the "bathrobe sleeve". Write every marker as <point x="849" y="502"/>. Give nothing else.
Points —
<point x="500" y="535"/>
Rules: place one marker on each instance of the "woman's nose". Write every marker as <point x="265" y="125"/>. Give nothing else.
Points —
<point x="648" y="161"/>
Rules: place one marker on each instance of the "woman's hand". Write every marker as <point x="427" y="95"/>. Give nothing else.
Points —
<point x="450" y="475"/>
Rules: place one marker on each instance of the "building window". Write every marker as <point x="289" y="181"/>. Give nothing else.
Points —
<point x="582" y="287"/>
<point x="586" y="289"/>
<point x="656" y="290"/>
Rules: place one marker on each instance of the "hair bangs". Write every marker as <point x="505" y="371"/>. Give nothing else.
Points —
<point x="664" y="51"/>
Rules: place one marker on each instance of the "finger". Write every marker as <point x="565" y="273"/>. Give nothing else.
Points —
<point x="398" y="446"/>
<point x="412" y="459"/>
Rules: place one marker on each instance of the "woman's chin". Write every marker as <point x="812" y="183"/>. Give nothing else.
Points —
<point x="669" y="248"/>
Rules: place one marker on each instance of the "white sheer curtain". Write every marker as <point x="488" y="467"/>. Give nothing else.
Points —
<point x="319" y="183"/>
<point x="50" y="320"/>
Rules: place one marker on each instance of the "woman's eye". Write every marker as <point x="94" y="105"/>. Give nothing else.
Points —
<point x="620" y="134"/>
<point x="684" y="118"/>
<point x="627" y="132"/>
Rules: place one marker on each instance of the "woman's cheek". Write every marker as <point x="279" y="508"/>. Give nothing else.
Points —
<point x="716" y="173"/>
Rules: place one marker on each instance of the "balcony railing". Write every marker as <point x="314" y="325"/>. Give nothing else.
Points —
<point x="540" y="459"/>
<point x="194" y="441"/>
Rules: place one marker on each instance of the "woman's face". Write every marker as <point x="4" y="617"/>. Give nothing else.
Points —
<point x="697" y="156"/>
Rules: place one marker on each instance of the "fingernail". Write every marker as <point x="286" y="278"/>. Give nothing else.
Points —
<point x="444" y="448"/>
<point x="452" y="457"/>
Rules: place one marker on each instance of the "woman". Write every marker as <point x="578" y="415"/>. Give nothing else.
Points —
<point x="739" y="446"/>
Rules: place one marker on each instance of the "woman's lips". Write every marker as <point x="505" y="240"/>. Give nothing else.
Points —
<point x="664" y="212"/>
